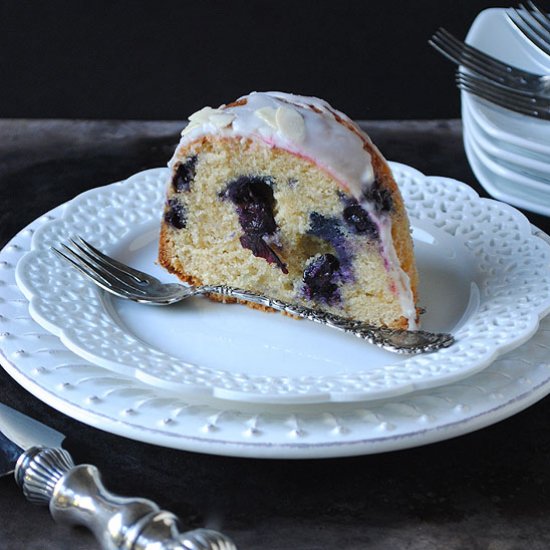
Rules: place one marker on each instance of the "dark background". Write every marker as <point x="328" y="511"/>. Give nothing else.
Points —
<point x="164" y="59"/>
<point x="161" y="60"/>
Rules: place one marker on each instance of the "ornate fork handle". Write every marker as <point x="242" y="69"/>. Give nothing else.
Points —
<point x="396" y="340"/>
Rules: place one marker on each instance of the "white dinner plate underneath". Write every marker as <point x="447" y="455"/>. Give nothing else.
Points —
<point x="125" y="406"/>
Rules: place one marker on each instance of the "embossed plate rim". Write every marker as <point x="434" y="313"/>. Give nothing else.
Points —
<point x="124" y="406"/>
<point x="66" y="303"/>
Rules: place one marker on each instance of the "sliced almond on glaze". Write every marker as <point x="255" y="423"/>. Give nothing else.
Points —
<point x="203" y="115"/>
<point x="221" y="120"/>
<point x="267" y="114"/>
<point x="190" y="126"/>
<point x="291" y="124"/>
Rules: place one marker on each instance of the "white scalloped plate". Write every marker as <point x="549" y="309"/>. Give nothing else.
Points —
<point x="485" y="277"/>
<point x="125" y="406"/>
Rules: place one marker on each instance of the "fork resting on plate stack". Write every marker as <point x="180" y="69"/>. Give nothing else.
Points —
<point x="493" y="80"/>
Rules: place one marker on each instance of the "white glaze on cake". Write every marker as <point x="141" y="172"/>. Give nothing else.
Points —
<point x="306" y="126"/>
<point x="311" y="128"/>
<point x="402" y="280"/>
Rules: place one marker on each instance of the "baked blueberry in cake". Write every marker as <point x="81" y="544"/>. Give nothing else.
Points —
<point x="285" y="196"/>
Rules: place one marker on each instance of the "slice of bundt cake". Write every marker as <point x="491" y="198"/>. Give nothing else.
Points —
<point x="287" y="197"/>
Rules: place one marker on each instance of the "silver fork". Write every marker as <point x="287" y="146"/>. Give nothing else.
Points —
<point x="487" y="66"/>
<point x="131" y="284"/>
<point x="533" y="23"/>
<point x="522" y="102"/>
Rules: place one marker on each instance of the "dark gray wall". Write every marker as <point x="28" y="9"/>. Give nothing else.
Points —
<point x="164" y="59"/>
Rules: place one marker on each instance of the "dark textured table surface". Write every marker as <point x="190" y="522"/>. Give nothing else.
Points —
<point x="486" y="490"/>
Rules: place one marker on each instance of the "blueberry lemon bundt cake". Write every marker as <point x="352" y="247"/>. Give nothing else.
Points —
<point x="285" y="196"/>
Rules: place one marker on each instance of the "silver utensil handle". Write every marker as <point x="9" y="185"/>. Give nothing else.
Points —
<point x="76" y="495"/>
<point x="396" y="340"/>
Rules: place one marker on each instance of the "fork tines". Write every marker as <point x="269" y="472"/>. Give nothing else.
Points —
<point x="481" y="63"/>
<point x="521" y="102"/>
<point x="106" y="272"/>
<point x="463" y="54"/>
<point x="533" y="23"/>
<point x="493" y="80"/>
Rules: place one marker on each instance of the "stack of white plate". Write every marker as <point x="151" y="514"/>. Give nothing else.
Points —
<point x="508" y="152"/>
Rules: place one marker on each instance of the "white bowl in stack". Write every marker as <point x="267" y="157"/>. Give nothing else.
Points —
<point x="509" y="153"/>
